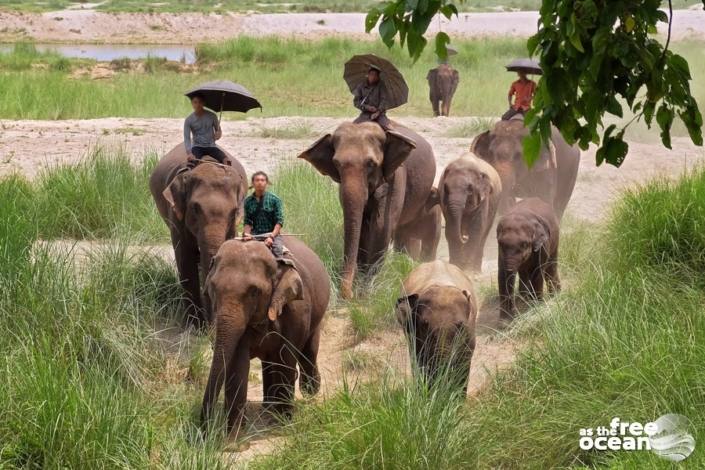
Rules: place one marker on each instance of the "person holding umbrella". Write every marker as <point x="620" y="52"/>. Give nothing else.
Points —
<point x="370" y="98"/>
<point x="522" y="90"/>
<point x="204" y="126"/>
<point x="377" y="86"/>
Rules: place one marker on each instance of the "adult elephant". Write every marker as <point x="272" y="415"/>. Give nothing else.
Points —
<point x="201" y="207"/>
<point x="385" y="180"/>
<point x="551" y="178"/>
<point x="442" y="83"/>
<point x="267" y="309"/>
<point x="470" y="190"/>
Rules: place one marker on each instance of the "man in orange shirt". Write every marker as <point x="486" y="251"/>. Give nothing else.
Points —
<point x="522" y="91"/>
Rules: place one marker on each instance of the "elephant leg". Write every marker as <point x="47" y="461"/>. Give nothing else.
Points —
<point x="551" y="274"/>
<point x="310" y="381"/>
<point x="431" y="234"/>
<point x="186" y="255"/>
<point x="446" y="105"/>
<point x="283" y="381"/>
<point x="506" y="281"/>
<point x="475" y="246"/>
<point x="267" y="384"/>
<point x="434" y="104"/>
<point x="536" y="283"/>
<point x="384" y="225"/>
<point x="236" y="386"/>
<point x="525" y="287"/>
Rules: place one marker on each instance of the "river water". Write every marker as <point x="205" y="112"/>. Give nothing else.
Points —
<point x="108" y="52"/>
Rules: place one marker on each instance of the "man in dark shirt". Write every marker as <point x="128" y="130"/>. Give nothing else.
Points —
<point x="370" y="98"/>
<point x="264" y="215"/>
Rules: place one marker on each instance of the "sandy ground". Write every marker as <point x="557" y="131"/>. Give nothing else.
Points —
<point x="88" y="26"/>
<point x="28" y="146"/>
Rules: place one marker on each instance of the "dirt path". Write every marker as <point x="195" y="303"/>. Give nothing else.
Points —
<point x="56" y="142"/>
<point x="89" y="26"/>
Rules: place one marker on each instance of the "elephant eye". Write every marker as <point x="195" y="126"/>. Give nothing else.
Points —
<point x="196" y="207"/>
<point x="370" y="163"/>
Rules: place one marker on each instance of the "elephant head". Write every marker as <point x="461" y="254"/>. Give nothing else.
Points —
<point x="519" y="237"/>
<point x="207" y="201"/>
<point x="504" y="143"/>
<point x="245" y="286"/>
<point x="438" y="323"/>
<point x="463" y="188"/>
<point x="361" y="158"/>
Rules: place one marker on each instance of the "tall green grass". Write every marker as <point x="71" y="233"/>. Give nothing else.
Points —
<point x="104" y="195"/>
<point x="83" y="372"/>
<point x="624" y="339"/>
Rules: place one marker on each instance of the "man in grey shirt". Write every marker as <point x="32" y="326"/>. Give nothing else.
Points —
<point x="205" y="128"/>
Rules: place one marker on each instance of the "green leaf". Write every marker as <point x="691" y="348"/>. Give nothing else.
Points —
<point x="442" y="41"/>
<point x="616" y="150"/>
<point x="387" y="29"/>
<point x="664" y="118"/>
<point x="532" y="148"/>
<point x="371" y="19"/>
<point x="449" y="10"/>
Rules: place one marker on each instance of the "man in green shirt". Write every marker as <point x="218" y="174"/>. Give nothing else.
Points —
<point x="264" y="215"/>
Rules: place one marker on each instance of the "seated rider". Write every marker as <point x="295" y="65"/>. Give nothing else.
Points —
<point x="264" y="215"/>
<point x="522" y="91"/>
<point x="370" y="98"/>
<point x="205" y="128"/>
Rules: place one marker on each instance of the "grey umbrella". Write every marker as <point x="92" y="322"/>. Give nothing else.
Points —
<point x="356" y="72"/>
<point x="524" y="65"/>
<point x="224" y="95"/>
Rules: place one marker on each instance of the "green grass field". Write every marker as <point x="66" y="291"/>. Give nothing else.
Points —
<point x="266" y="6"/>
<point x="291" y="77"/>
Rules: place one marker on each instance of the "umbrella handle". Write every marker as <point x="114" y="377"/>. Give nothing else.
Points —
<point x="222" y="103"/>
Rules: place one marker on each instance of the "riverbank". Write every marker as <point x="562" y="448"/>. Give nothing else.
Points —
<point x="96" y="27"/>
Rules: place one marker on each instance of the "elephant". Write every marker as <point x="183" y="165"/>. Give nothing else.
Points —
<point x="552" y="178"/>
<point x="438" y="310"/>
<point x="270" y="309"/>
<point x="385" y="180"/>
<point x="470" y="189"/>
<point x="201" y="207"/>
<point x="442" y="83"/>
<point x="528" y="238"/>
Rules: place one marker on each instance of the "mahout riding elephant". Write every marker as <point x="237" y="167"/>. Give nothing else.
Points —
<point x="201" y="207"/>
<point x="528" y="237"/>
<point x="442" y="83"/>
<point x="269" y="309"/>
<point x="470" y="190"/>
<point x="437" y="310"/>
<point x="385" y="180"/>
<point x="552" y="178"/>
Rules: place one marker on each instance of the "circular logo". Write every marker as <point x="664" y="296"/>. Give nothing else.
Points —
<point x="672" y="441"/>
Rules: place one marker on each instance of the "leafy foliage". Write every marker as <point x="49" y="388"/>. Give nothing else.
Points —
<point x="597" y="56"/>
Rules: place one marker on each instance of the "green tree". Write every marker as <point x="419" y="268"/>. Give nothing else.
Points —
<point x="597" y="56"/>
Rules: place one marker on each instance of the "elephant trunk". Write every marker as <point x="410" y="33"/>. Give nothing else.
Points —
<point x="208" y="244"/>
<point x="353" y="195"/>
<point x="229" y="343"/>
<point x="454" y="221"/>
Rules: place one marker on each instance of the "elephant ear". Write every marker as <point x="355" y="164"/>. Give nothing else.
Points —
<point x="540" y="235"/>
<point x="406" y="309"/>
<point x="434" y="198"/>
<point x="481" y="145"/>
<point x="320" y="155"/>
<point x="176" y="194"/>
<point x="397" y="148"/>
<point x="287" y="288"/>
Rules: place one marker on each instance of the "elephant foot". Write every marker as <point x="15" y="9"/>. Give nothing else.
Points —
<point x="346" y="291"/>
<point x="310" y="384"/>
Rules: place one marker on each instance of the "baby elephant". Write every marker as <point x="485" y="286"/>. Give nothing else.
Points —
<point x="438" y="310"/>
<point x="528" y="245"/>
<point x="267" y="309"/>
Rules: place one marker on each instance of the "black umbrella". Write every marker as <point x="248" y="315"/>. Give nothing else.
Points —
<point x="356" y="72"/>
<point x="224" y="95"/>
<point x="524" y="65"/>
